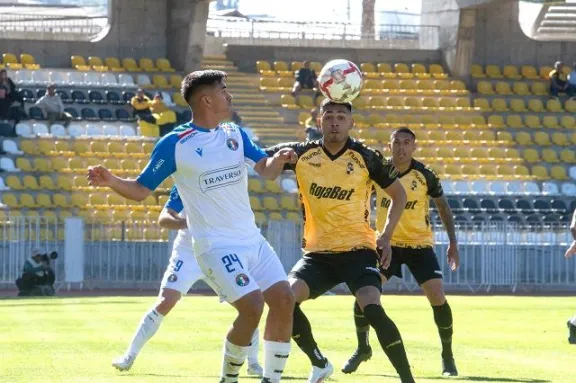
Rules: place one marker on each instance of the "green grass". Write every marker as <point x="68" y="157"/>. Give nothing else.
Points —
<point x="73" y="340"/>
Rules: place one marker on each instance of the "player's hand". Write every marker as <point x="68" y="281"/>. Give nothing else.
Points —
<point x="286" y="156"/>
<point x="453" y="256"/>
<point x="385" y="249"/>
<point x="99" y="176"/>
<point x="571" y="250"/>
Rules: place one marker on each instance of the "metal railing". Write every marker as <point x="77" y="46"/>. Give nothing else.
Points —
<point x="263" y="32"/>
<point x="499" y="256"/>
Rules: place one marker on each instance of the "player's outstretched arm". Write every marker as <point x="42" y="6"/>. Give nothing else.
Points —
<point x="572" y="249"/>
<point x="127" y="188"/>
<point x="398" y="203"/>
<point x="169" y="219"/>
<point x="448" y="220"/>
<point x="271" y="167"/>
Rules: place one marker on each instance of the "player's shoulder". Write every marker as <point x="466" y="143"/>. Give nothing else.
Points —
<point x="424" y="169"/>
<point x="370" y="155"/>
<point x="301" y="148"/>
<point x="230" y="127"/>
<point x="181" y="134"/>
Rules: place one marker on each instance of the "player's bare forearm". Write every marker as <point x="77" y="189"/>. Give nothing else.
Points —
<point x="398" y="203"/>
<point x="269" y="168"/>
<point x="130" y="189"/>
<point x="447" y="217"/>
<point x="169" y="219"/>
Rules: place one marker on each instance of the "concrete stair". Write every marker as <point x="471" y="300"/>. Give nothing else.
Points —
<point x="557" y="22"/>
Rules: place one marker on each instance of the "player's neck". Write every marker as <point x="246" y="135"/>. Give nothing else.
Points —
<point x="334" y="147"/>
<point x="402" y="167"/>
<point x="205" y="121"/>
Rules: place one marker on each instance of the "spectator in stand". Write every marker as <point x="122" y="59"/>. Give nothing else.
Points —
<point x="160" y="115"/>
<point x="52" y="106"/>
<point x="306" y="79"/>
<point x="141" y="104"/>
<point x="7" y="83"/>
<point x="572" y="81"/>
<point x="313" y="132"/>
<point x="558" y="81"/>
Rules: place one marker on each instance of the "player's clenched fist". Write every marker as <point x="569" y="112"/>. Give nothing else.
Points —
<point x="571" y="250"/>
<point x="98" y="176"/>
<point x="286" y="155"/>
<point x="385" y="249"/>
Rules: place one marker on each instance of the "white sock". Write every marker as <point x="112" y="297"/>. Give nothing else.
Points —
<point x="573" y="320"/>
<point x="275" y="358"/>
<point x="253" y="349"/>
<point x="234" y="357"/>
<point x="148" y="327"/>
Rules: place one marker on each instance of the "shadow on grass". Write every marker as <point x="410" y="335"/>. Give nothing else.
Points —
<point x="55" y="301"/>
<point x="472" y="378"/>
<point x="209" y="376"/>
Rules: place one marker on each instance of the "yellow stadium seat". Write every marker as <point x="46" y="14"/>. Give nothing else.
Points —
<point x="175" y="81"/>
<point x="521" y="89"/>
<point x="113" y="64"/>
<point x="558" y="173"/>
<point x="560" y="139"/>
<point x="514" y="121"/>
<point x="255" y="203"/>
<point x="77" y="61"/>
<point x="288" y="101"/>
<point x="264" y="68"/>
<point x="99" y="148"/>
<point x="159" y="81"/>
<point x="284" y="84"/>
<point x="437" y="71"/>
<point x="446" y="153"/>
<point x="24" y="164"/>
<point x="46" y="182"/>
<point x="493" y="71"/>
<point x="179" y="100"/>
<point x="463" y="103"/>
<point x="95" y="61"/>
<point x="420" y="71"/>
<point x="130" y="65"/>
<point x="385" y="70"/>
<point x="164" y="65"/>
<point x="504" y="137"/>
<point x="306" y="102"/>
<point x="523" y="138"/>
<point x="568" y="156"/>
<point x="275" y="216"/>
<point x="27" y="200"/>
<point x="369" y="70"/>
<point x="30" y="182"/>
<point x="554" y="106"/>
<point x="540" y="89"/>
<point x="511" y="72"/>
<point x="437" y="135"/>
<point x="60" y="200"/>
<point x="499" y="105"/>
<point x="483" y="104"/>
<point x="43" y="200"/>
<point x="255" y="185"/>
<point x="540" y="172"/>
<point x="533" y="122"/>
<point x="570" y="106"/>
<point x="529" y="72"/>
<point x="568" y="122"/>
<point x="147" y="65"/>
<point x="79" y="200"/>
<point x="531" y="155"/>
<point x="293" y="217"/>
<point x="406" y="86"/>
<point x="29" y="147"/>
<point x="477" y="71"/>
<point x="29" y="62"/>
<point x="447" y="103"/>
<point x="296" y="65"/>
<point x="550" y="122"/>
<point x="517" y="105"/>
<point x="45" y="165"/>
<point x="272" y="187"/>
<point x="64" y="183"/>
<point x="283" y="69"/>
<point x="503" y="88"/>
<point x="430" y="103"/>
<point x="425" y="87"/>
<point x="485" y="87"/>
<point x="542" y="138"/>
<point x="550" y="155"/>
<point x="148" y="130"/>
<point x="545" y="72"/>
<point x="268" y="84"/>
<point x="13" y="182"/>
<point x="536" y="106"/>
<point x="46" y="146"/>
<point x="413" y="102"/>
<point x="469" y="171"/>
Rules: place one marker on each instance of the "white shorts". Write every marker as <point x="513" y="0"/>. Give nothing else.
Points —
<point x="182" y="272"/>
<point x="235" y="272"/>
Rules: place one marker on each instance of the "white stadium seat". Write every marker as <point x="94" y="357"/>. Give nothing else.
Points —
<point x="289" y="185"/>
<point x="126" y="80"/>
<point x="3" y="186"/>
<point x="40" y="129"/>
<point x="58" y="78"/>
<point x="448" y="187"/>
<point x="569" y="189"/>
<point x="572" y="172"/>
<point x="515" y="188"/>
<point x="532" y="188"/>
<point x="10" y="147"/>
<point x="168" y="99"/>
<point x="143" y="79"/>
<point x="461" y="187"/>
<point x="497" y="187"/>
<point x="58" y="130"/>
<point x="109" y="79"/>
<point x="550" y="188"/>
<point x="75" y="130"/>
<point x="23" y="129"/>
<point x="479" y="187"/>
<point x="23" y="77"/>
<point x="76" y="78"/>
<point x="110" y="130"/>
<point x="92" y="78"/>
<point x="93" y="130"/>
<point x="8" y="165"/>
<point x="40" y="77"/>
<point x="127" y="131"/>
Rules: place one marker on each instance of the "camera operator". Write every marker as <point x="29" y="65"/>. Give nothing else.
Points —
<point x="38" y="276"/>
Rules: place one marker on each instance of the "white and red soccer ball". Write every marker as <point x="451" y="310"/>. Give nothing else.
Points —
<point x="340" y="81"/>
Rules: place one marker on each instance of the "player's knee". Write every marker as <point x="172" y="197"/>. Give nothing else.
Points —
<point x="284" y="301"/>
<point x="251" y="306"/>
<point x="166" y="304"/>
<point x="367" y="295"/>
<point x="434" y="290"/>
<point x="300" y="290"/>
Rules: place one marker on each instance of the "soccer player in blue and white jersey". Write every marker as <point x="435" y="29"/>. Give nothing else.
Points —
<point x="207" y="160"/>
<point x="181" y="274"/>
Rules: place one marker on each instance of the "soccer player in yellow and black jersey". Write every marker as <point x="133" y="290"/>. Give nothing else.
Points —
<point x="335" y="177"/>
<point x="412" y="244"/>
<point x="569" y="254"/>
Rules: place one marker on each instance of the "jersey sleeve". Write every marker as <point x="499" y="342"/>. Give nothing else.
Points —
<point x="434" y="185"/>
<point x="296" y="146"/>
<point x="381" y="171"/>
<point x="162" y="162"/>
<point x="252" y="152"/>
<point x="174" y="202"/>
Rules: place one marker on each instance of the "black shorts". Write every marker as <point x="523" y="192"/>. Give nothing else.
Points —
<point x="422" y="263"/>
<point x="321" y="272"/>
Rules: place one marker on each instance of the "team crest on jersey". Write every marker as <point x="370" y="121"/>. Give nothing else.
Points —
<point x="232" y="144"/>
<point x="414" y="185"/>
<point x="172" y="278"/>
<point x="350" y="168"/>
<point x="242" y="280"/>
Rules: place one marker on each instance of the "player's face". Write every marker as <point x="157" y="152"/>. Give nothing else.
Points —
<point x="335" y="122"/>
<point x="402" y="147"/>
<point x="221" y="100"/>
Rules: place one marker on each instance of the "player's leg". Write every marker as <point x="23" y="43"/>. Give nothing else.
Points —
<point x="182" y="272"/>
<point x="572" y="330"/>
<point x="365" y="283"/>
<point x="423" y="264"/>
<point x="309" y="279"/>
<point x="269" y="273"/>
<point x="228" y="272"/>
<point x="363" y="351"/>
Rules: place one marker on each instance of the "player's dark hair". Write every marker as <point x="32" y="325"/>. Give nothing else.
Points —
<point x="403" y="130"/>
<point x="327" y="102"/>
<point x="198" y="79"/>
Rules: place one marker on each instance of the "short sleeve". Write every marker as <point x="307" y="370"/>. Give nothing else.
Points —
<point x="162" y="162"/>
<point x="434" y="185"/>
<point x="381" y="171"/>
<point x="251" y="151"/>
<point x="174" y="202"/>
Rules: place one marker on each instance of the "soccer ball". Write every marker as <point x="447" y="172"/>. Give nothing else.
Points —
<point x="340" y="80"/>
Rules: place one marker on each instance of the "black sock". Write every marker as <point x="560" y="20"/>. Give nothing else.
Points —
<point x="443" y="319"/>
<point x="302" y="335"/>
<point x="390" y="340"/>
<point x="362" y="329"/>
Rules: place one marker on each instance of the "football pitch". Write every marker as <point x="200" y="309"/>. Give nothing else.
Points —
<point x="73" y="340"/>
